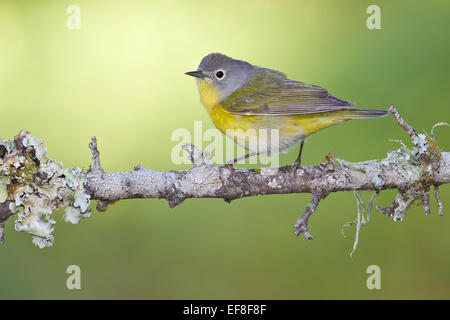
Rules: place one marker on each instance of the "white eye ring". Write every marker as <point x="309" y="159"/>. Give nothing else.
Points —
<point x="220" y="74"/>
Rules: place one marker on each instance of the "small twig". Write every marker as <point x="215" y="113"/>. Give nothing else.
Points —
<point x="301" y="226"/>
<point x="397" y="210"/>
<point x="197" y="156"/>
<point x="438" y="199"/>
<point x="95" y="155"/>
<point x="370" y="205"/>
<point x="426" y="200"/>
<point x="405" y="126"/>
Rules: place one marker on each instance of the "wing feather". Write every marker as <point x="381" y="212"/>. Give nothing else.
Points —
<point x="276" y="95"/>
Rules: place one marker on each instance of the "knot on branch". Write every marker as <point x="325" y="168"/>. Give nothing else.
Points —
<point x="197" y="156"/>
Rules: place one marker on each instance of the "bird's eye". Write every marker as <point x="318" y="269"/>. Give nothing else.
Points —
<point x="220" y="74"/>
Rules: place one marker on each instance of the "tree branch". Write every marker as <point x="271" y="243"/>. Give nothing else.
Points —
<point x="411" y="171"/>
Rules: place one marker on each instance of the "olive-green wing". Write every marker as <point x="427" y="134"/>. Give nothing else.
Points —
<point x="280" y="96"/>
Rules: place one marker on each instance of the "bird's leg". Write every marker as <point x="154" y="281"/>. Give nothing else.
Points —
<point x="248" y="155"/>
<point x="298" y="161"/>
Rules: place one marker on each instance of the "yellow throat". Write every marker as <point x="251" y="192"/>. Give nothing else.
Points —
<point x="208" y="94"/>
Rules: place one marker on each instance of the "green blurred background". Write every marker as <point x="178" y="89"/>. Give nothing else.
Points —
<point x="120" y="78"/>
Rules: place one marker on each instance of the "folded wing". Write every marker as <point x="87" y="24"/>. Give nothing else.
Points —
<point x="273" y="94"/>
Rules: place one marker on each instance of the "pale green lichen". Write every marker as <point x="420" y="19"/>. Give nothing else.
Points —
<point x="406" y="164"/>
<point x="38" y="146"/>
<point x="274" y="184"/>
<point x="75" y="215"/>
<point x="420" y="144"/>
<point x="378" y="182"/>
<point x="37" y="185"/>
<point x="4" y="181"/>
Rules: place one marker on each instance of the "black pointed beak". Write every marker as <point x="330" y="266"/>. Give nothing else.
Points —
<point x="197" y="74"/>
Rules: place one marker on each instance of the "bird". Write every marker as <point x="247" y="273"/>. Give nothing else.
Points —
<point x="243" y="100"/>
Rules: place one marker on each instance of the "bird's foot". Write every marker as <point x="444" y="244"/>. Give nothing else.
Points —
<point x="297" y="163"/>
<point x="227" y="165"/>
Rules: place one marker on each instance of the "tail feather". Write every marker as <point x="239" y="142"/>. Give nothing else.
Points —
<point x="364" y="113"/>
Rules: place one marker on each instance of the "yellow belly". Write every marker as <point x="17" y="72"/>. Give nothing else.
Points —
<point x="291" y="129"/>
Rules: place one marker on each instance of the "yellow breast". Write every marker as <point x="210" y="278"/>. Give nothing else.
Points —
<point x="222" y="119"/>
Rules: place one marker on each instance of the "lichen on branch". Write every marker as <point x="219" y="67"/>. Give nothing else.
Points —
<point x="33" y="186"/>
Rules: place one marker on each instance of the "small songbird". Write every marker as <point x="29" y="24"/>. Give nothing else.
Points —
<point x="242" y="98"/>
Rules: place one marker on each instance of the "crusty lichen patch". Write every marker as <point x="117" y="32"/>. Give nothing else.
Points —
<point x="417" y="166"/>
<point x="37" y="185"/>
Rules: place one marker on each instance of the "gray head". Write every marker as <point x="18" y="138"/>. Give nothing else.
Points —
<point x="225" y="73"/>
